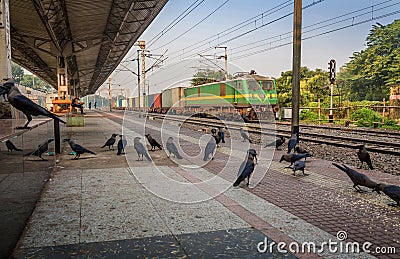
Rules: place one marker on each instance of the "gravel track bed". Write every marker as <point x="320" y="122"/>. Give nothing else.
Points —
<point x="383" y="163"/>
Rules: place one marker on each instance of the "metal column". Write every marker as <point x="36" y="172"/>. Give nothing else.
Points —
<point x="297" y="21"/>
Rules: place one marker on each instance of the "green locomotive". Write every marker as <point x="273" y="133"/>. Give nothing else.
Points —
<point x="247" y="93"/>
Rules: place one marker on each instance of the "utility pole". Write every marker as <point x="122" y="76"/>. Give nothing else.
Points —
<point x="332" y="79"/>
<point x="142" y="46"/>
<point x="297" y="21"/>
<point x="138" y="79"/>
<point x="109" y="92"/>
<point x="225" y="57"/>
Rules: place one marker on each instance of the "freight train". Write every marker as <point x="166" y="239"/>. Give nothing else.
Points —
<point x="248" y="94"/>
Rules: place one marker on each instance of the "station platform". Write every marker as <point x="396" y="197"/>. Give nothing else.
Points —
<point x="109" y="206"/>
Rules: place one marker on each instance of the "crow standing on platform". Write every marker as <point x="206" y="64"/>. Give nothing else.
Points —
<point x="293" y="158"/>
<point x="221" y="133"/>
<point x="140" y="149"/>
<point x="153" y="142"/>
<point x="110" y="142"/>
<point x="357" y="178"/>
<point x="10" y="146"/>
<point x="364" y="156"/>
<point x="25" y="105"/>
<point x="393" y="191"/>
<point x="172" y="149"/>
<point x="78" y="149"/>
<point x="246" y="168"/>
<point x="299" y="166"/>
<point x="245" y="135"/>
<point x="41" y="149"/>
<point x="121" y="145"/>
<point x="292" y="143"/>
<point x="277" y="143"/>
<point x="209" y="150"/>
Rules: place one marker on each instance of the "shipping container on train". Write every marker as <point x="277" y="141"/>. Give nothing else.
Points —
<point x="171" y="98"/>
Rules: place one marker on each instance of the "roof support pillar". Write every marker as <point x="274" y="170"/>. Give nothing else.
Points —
<point x="5" y="41"/>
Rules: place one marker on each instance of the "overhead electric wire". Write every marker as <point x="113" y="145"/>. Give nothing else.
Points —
<point x="320" y="34"/>
<point x="333" y="20"/>
<point x="236" y="27"/>
<point x="194" y="26"/>
<point x="252" y="30"/>
<point x="174" y="22"/>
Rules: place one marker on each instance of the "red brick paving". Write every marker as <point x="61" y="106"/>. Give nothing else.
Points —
<point x="329" y="208"/>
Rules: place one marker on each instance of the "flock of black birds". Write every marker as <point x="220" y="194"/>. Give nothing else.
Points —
<point x="29" y="108"/>
<point x="357" y="178"/>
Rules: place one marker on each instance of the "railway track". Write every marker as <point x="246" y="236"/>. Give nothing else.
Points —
<point x="383" y="147"/>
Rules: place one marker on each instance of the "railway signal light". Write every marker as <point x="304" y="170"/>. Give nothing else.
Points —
<point x="332" y="71"/>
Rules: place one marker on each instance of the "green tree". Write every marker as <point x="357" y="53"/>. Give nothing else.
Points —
<point x="17" y="72"/>
<point x="207" y="76"/>
<point x="370" y="72"/>
<point x="313" y="85"/>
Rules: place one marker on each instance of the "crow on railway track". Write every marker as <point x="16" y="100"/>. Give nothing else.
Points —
<point x="357" y="178"/>
<point x="292" y="143"/>
<point x="364" y="156"/>
<point x="277" y="143"/>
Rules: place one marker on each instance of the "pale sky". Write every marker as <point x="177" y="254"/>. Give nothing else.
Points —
<point x="332" y="29"/>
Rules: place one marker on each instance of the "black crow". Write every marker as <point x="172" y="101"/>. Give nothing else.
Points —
<point x="110" y="142"/>
<point x="300" y="150"/>
<point x="10" y="146"/>
<point x="357" y="178"/>
<point x="42" y="148"/>
<point x="246" y="168"/>
<point x="172" y="148"/>
<point x="292" y="143"/>
<point x="217" y="138"/>
<point x="213" y="131"/>
<point x="293" y="157"/>
<point x="299" y="166"/>
<point x="210" y="148"/>
<point x="364" y="156"/>
<point x="140" y="149"/>
<point x="393" y="191"/>
<point x="245" y="135"/>
<point x="277" y="143"/>
<point x="121" y="145"/>
<point x="78" y="149"/>
<point x="24" y="104"/>
<point x="221" y="133"/>
<point x="153" y="142"/>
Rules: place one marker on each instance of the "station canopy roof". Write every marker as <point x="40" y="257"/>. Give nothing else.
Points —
<point x="92" y="35"/>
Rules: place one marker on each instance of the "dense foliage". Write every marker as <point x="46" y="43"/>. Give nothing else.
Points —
<point x="207" y="76"/>
<point x="371" y="72"/>
<point x="313" y="85"/>
<point x="367" y="76"/>
<point x="30" y="80"/>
